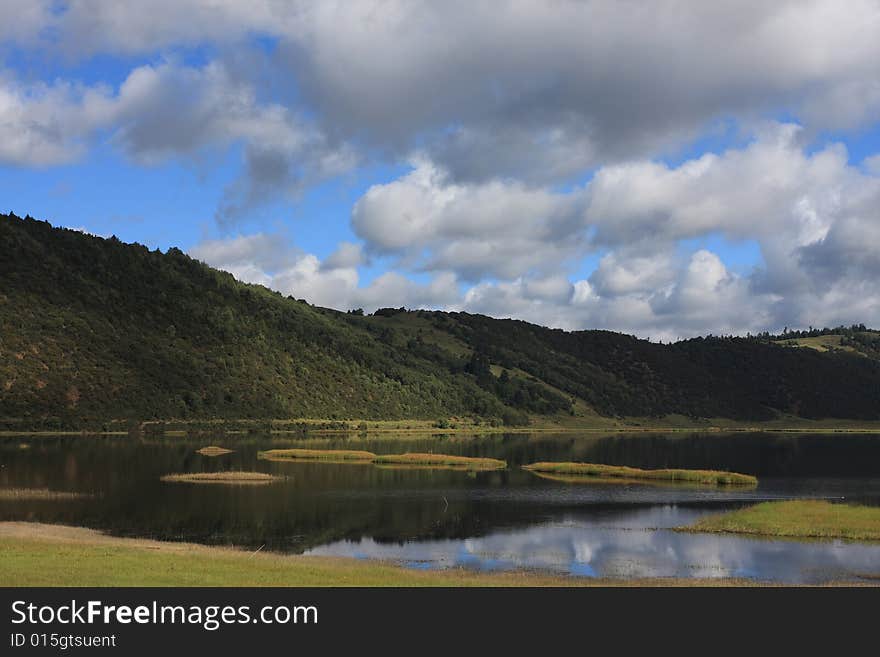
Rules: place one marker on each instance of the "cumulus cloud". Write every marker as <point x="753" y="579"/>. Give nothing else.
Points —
<point x="495" y="228"/>
<point x="518" y="89"/>
<point x="535" y="90"/>
<point x="270" y="260"/>
<point x="813" y="215"/>
<point x="507" y="249"/>
<point x="48" y="124"/>
<point x="346" y="255"/>
<point x="168" y="110"/>
<point x="536" y="134"/>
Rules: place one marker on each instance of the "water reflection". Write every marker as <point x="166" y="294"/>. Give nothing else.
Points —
<point x="629" y="545"/>
<point x="432" y="518"/>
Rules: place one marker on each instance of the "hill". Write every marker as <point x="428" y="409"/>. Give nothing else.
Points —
<point x="93" y="329"/>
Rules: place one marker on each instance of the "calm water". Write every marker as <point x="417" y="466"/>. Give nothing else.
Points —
<point x="441" y="518"/>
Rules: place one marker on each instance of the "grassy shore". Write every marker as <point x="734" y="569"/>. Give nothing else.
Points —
<point x="34" y="554"/>
<point x="247" y="478"/>
<point x="798" y="519"/>
<point x="710" y="477"/>
<point x="583" y="422"/>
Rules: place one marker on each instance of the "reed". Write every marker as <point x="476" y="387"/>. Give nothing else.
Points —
<point x="28" y="494"/>
<point x="709" y="477"/>
<point x="316" y="455"/>
<point x="229" y="477"/>
<point x="213" y="450"/>
<point x="441" y="460"/>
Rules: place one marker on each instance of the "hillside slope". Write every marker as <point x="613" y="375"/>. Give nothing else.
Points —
<point x="94" y="329"/>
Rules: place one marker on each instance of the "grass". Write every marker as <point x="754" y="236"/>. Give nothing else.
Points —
<point x="586" y="422"/>
<point x="221" y="478"/>
<point x="23" y="494"/>
<point x="409" y="459"/>
<point x="612" y="481"/>
<point x="316" y="455"/>
<point x="32" y="554"/>
<point x="213" y="450"/>
<point x="798" y="519"/>
<point x="443" y="460"/>
<point x="710" y="477"/>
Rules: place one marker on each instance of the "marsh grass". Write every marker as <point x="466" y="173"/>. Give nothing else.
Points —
<point x="441" y="460"/>
<point x="213" y="450"/>
<point x="233" y="478"/>
<point x="316" y="455"/>
<point x="37" y="494"/>
<point x="808" y="519"/>
<point x="615" y="481"/>
<point x="410" y="460"/>
<point x="708" y="477"/>
<point x="453" y="468"/>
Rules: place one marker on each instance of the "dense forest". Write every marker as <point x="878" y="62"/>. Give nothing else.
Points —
<point x="94" y="329"/>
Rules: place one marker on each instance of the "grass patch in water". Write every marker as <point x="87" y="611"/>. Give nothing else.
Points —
<point x="797" y="519"/>
<point x="213" y="450"/>
<point x="28" y="494"/>
<point x="446" y="461"/>
<point x="442" y="460"/>
<point x="316" y="455"/>
<point x="221" y="478"/>
<point x="615" y="481"/>
<point x="710" y="477"/>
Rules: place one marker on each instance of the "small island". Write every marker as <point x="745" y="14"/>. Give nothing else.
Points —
<point x="331" y="455"/>
<point x="442" y="461"/>
<point x="586" y="470"/>
<point x="418" y="460"/>
<point x="234" y="478"/>
<point x="213" y="450"/>
<point x="797" y="519"/>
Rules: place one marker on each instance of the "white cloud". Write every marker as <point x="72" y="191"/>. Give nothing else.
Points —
<point x="168" y="110"/>
<point x="271" y="261"/>
<point x="48" y="124"/>
<point x="518" y="89"/>
<point x="496" y="228"/>
<point x="347" y="255"/>
<point x="539" y="91"/>
<point x="814" y="216"/>
<point x="510" y="107"/>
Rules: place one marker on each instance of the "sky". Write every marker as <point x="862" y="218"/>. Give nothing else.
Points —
<point x="665" y="169"/>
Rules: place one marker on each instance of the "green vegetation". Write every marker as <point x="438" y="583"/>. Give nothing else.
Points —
<point x="798" y="519"/>
<point x="47" y="555"/>
<point x="856" y="339"/>
<point x="444" y="460"/>
<point x="712" y="477"/>
<point x="409" y="459"/>
<point x="610" y="481"/>
<point x="247" y="478"/>
<point x="316" y="455"/>
<point x="100" y="335"/>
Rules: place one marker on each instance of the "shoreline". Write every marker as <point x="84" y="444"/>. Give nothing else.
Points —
<point x="37" y="554"/>
<point x="472" y="431"/>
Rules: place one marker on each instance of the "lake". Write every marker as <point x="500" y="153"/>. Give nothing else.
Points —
<point x="444" y="518"/>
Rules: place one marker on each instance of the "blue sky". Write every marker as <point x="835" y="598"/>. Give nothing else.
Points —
<point x="571" y="164"/>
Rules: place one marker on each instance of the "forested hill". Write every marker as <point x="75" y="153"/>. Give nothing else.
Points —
<point x="93" y="329"/>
